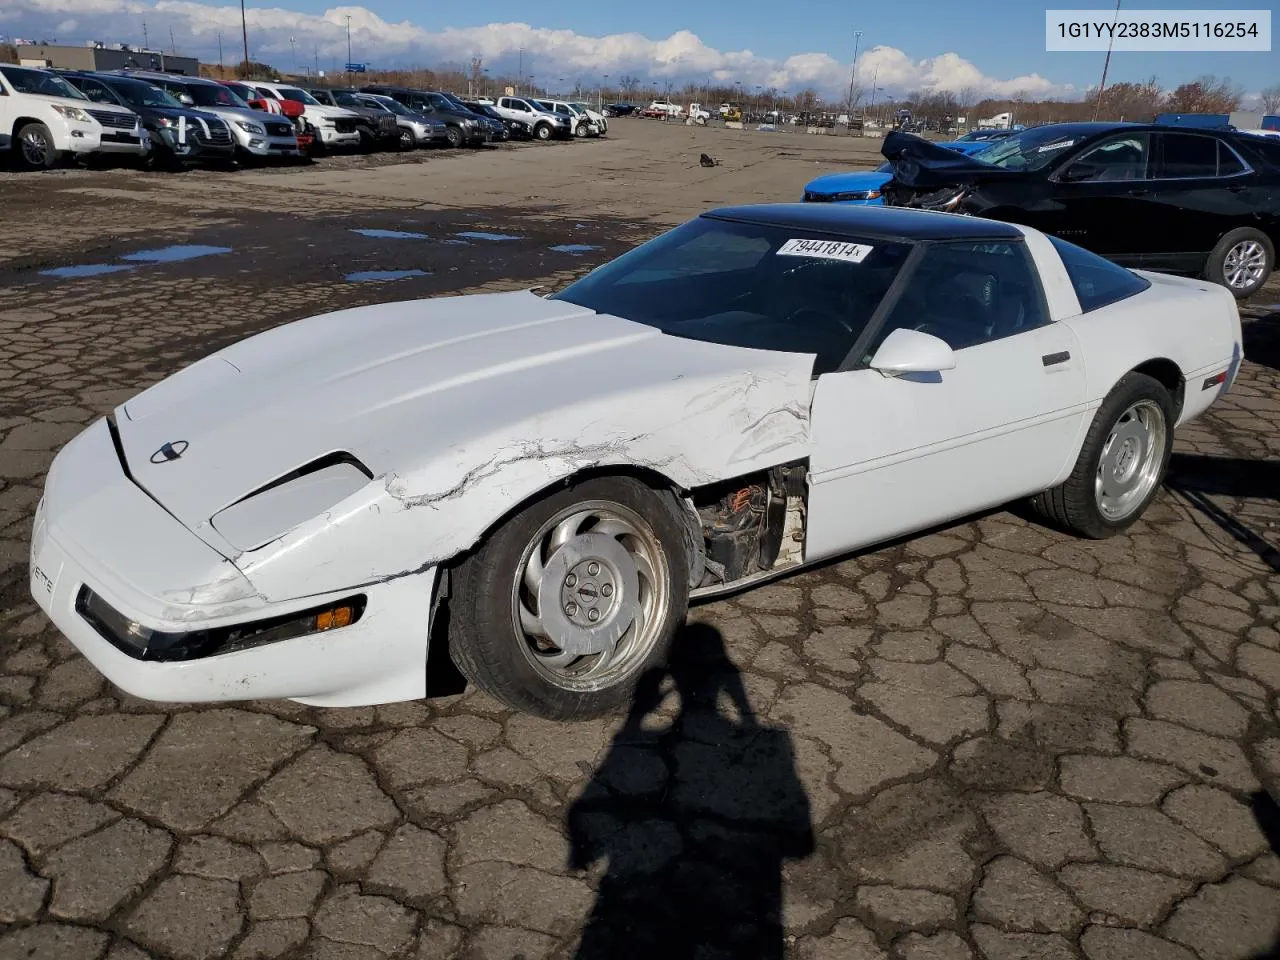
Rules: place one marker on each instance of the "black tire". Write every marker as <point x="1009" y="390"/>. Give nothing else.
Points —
<point x="1216" y="268"/>
<point x="543" y="132"/>
<point x="454" y="136"/>
<point x="489" y="648"/>
<point x="582" y="131"/>
<point x="406" y="140"/>
<point x="1073" y="505"/>
<point x="42" y="155"/>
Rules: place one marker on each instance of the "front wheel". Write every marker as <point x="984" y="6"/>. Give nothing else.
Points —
<point x="569" y="603"/>
<point x="543" y="131"/>
<point x="1242" y="261"/>
<point x="36" y="147"/>
<point x="454" y="136"/>
<point x="1121" y="465"/>
<point x="406" y="140"/>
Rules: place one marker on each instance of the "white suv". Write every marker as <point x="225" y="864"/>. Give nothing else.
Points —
<point x="580" y="121"/>
<point x="44" y="119"/>
<point x="334" y="126"/>
<point x="544" y="123"/>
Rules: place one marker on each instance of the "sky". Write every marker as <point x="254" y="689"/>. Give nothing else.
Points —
<point x="982" y="48"/>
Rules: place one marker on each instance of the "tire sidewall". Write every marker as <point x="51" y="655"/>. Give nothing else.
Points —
<point x="1214" y="265"/>
<point x="485" y="580"/>
<point x="543" y="132"/>
<point x="454" y="136"/>
<point x="51" y="153"/>
<point x="1131" y="388"/>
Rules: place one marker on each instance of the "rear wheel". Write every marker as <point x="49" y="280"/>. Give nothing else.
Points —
<point x="1121" y="464"/>
<point x="1242" y="261"/>
<point x="565" y="606"/>
<point x="36" y="149"/>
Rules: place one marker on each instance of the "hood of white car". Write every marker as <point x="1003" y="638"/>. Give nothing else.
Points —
<point x="397" y="386"/>
<point x="333" y="113"/>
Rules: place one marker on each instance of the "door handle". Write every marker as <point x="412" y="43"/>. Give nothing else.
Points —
<point x="1053" y="359"/>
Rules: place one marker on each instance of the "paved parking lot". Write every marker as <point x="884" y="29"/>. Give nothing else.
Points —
<point x="991" y="741"/>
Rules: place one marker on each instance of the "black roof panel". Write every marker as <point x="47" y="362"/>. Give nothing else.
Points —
<point x="882" y="223"/>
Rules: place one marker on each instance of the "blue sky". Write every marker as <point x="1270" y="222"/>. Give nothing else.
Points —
<point x="992" y="47"/>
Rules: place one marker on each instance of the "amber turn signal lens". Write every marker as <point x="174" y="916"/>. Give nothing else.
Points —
<point x="337" y="617"/>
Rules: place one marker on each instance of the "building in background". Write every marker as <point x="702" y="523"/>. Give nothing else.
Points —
<point x="99" y="56"/>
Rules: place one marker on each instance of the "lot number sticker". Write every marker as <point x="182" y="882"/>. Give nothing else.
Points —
<point x="826" y="249"/>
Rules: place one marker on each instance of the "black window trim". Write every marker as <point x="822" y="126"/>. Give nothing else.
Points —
<point x="1222" y="141"/>
<point x="853" y="359"/>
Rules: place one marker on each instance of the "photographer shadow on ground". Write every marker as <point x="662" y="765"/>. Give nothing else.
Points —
<point x="693" y="817"/>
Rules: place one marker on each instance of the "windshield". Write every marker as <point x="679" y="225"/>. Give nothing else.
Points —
<point x="344" y="99"/>
<point x="209" y="95"/>
<point x="298" y="96"/>
<point x="1028" y="150"/>
<point x="138" y="94"/>
<point x="748" y="285"/>
<point x="37" y="81"/>
<point x="395" y="106"/>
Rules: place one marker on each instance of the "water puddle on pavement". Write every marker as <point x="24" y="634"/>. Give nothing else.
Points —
<point x="364" y="276"/>
<point x="391" y="234"/>
<point x="175" y="254"/>
<point x="85" y="270"/>
<point x="481" y="235"/>
<point x="575" y="248"/>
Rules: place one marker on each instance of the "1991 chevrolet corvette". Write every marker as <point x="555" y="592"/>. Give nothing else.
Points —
<point x="759" y="389"/>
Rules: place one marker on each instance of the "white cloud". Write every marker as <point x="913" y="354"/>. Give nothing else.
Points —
<point x="548" y="54"/>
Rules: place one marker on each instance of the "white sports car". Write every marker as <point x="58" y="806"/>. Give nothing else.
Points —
<point x="543" y="483"/>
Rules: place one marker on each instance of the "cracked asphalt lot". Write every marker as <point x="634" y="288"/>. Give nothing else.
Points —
<point x="991" y="741"/>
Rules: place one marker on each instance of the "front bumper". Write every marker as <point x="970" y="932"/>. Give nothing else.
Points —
<point x="95" y="528"/>
<point x="332" y="138"/>
<point x="85" y="138"/>
<point x="259" y="145"/>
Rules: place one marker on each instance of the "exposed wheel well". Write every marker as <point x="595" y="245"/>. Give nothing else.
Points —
<point x="22" y="122"/>
<point x="1170" y="375"/>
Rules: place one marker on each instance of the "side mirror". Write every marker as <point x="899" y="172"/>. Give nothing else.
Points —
<point x="257" y="105"/>
<point x="910" y="351"/>
<point x="1080" y="171"/>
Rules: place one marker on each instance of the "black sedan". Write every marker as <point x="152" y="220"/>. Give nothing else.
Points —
<point x="1202" y="202"/>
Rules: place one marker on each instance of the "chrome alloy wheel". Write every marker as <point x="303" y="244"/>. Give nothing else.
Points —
<point x="1244" y="265"/>
<point x="1129" y="467"/>
<point x="591" y="595"/>
<point x="35" y="148"/>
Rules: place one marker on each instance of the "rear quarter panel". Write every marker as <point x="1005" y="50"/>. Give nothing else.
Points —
<point x="1193" y="323"/>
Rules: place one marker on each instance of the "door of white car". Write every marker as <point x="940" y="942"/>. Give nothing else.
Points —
<point x="986" y="408"/>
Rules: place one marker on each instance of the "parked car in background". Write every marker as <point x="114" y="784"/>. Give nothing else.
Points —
<point x="497" y="129"/>
<point x="462" y="127"/>
<point x="860" y="186"/>
<point x="596" y="116"/>
<point x="1175" y="199"/>
<point x="975" y="141"/>
<point x="336" y="128"/>
<point x="415" y="129"/>
<point x="268" y="103"/>
<point x="620" y="109"/>
<point x="257" y="137"/>
<point x="663" y="108"/>
<point x="544" y="123"/>
<point x="45" y="120"/>
<point x="515" y="129"/>
<point x="579" y="122"/>
<point x="179" y="135"/>
<point x="376" y="126"/>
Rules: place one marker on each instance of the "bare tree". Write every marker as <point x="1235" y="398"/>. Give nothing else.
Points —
<point x="628" y="85"/>
<point x="1270" y="98"/>
<point x="1206" y="94"/>
<point x="476" y="79"/>
<point x="8" y="53"/>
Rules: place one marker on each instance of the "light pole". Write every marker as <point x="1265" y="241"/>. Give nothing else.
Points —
<point x="293" y="52"/>
<point x="349" y="50"/>
<point x="1102" y="84"/>
<point x="220" y="67"/>
<point x="857" y="39"/>
<point x="244" y="34"/>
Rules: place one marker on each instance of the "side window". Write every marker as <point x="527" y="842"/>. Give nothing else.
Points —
<point x="1119" y="158"/>
<point x="1097" y="282"/>
<point x="1229" y="164"/>
<point x="96" y="92"/>
<point x="1186" y="155"/>
<point x="969" y="294"/>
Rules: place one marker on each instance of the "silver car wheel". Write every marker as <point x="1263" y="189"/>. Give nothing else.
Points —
<point x="1132" y="457"/>
<point x="590" y="596"/>
<point x="1245" y="265"/>
<point x="35" y="148"/>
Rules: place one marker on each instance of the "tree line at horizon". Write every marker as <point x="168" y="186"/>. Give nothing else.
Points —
<point x="1126" y="100"/>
